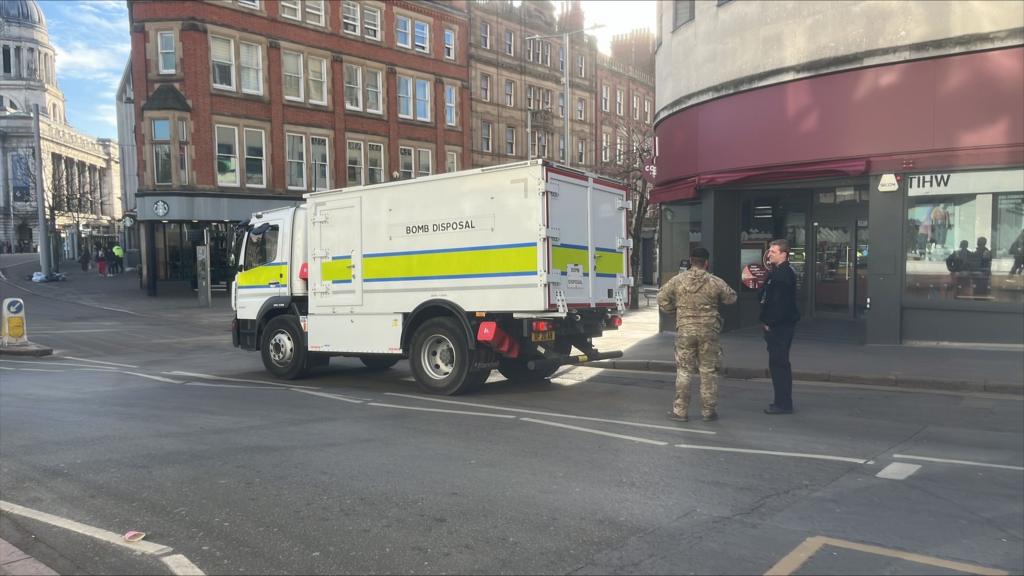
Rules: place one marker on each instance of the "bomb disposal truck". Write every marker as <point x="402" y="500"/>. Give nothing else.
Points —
<point x="507" y="267"/>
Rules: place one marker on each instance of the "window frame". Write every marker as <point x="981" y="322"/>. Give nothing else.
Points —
<point x="183" y="157"/>
<point x="163" y="144"/>
<point x="361" y="165"/>
<point x="581" y="109"/>
<point x="451" y="105"/>
<point x="258" y="68"/>
<point x="606" y="141"/>
<point x="289" y="160"/>
<point x="322" y="21"/>
<point x="254" y="4"/>
<point x="451" y="163"/>
<point x="346" y="18"/>
<point x="398" y="31"/>
<point x="485" y="86"/>
<point x="605" y="98"/>
<point x="425" y="48"/>
<point x="510" y="93"/>
<point x="160" y="35"/>
<point x="485" y="35"/>
<point x="486" y="136"/>
<point x="636" y="107"/>
<point x="427" y="92"/>
<point x="409" y="96"/>
<point x="377" y="35"/>
<point x="510" y="140"/>
<point x="302" y="76"/>
<point x="263" y="158"/>
<point x="402" y="172"/>
<point x="383" y="162"/>
<point x="581" y="151"/>
<point x="510" y="42"/>
<point x="380" y="90"/>
<point x="676" y="22"/>
<point x="291" y="4"/>
<point x="357" y="86"/>
<point x="581" y="66"/>
<point x="619" y="102"/>
<point x="422" y="153"/>
<point x="326" y="163"/>
<point x="449" y="47"/>
<point x="217" y="155"/>
<point x="213" y="74"/>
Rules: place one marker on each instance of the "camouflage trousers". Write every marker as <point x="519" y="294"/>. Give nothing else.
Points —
<point x="697" y="349"/>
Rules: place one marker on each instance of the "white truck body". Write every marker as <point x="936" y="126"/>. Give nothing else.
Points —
<point x="524" y="240"/>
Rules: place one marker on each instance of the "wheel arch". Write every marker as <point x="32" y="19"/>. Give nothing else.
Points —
<point x="276" y="306"/>
<point x="434" y="309"/>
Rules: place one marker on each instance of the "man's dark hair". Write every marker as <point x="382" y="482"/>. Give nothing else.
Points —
<point x="782" y="243"/>
<point x="699" y="256"/>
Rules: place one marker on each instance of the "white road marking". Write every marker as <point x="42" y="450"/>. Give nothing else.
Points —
<point x="35" y="370"/>
<point x="226" y="379"/>
<point x="177" y="563"/>
<point x="331" y="396"/>
<point x="101" y="362"/>
<point x="963" y="462"/>
<point x="553" y="414"/>
<point x="77" y="331"/>
<point x="142" y="546"/>
<point x="139" y="374"/>
<point x="898" y="471"/>
<point x="464" y="412"/>
<point x="773" y="453"/>
<point x="54" y="364"/>
<point x="598" y="432"/>
<point x="181" y="566"/>
<point x="234" y="386"/>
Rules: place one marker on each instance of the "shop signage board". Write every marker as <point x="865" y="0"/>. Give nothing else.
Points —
<point x="950" y="183"/>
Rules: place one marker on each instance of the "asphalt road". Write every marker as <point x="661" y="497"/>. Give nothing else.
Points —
<point x="155" y="423"/>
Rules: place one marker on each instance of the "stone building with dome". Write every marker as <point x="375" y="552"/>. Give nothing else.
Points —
<point x="81" y="174"/>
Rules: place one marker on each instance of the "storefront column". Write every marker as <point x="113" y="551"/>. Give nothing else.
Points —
<point x="886" y="217"/>
<point x="149" y="270"/>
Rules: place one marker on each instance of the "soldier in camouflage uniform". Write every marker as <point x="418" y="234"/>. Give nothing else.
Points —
<point x="694" y="295"/>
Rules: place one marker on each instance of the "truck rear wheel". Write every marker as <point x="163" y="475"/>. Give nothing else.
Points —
<point x="283" y="348"/>
<point x="441" y="359"/>
<point x="379" y="362"/>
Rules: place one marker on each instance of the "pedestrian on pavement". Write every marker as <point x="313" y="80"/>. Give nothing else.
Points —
<point x="84" y="259"/>
<point x="779" y="316"/>
<point x="119" y="257"/>
<point x="1017" y="251"/>
<point x="983" y="255"/>
<point x="695" y="295"/>
<point x="101" y="261"/>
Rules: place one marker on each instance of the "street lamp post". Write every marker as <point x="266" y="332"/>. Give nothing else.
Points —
<point x="565" y="80"/>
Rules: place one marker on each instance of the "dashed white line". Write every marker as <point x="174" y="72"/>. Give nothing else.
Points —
<point x="420" y="409"/>
<point x="208" y="385"/>
<point x="226" y="379"/>
<point x="898" y="471"/>
<point x="55" y="364"/>
<point x="181" y="566"/>
<point x="598" y="432"/>
<point x="962" y="462"/>
<point x="331" y="396"/>
<point x="101" y="362"/>
<point x="34" y="370"/>
<point x="553" y="414"/>
<point x="773" y="453"/>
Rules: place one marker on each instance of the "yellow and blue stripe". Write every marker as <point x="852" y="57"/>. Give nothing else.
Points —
<point x="264" y="276"/>
<point x="497" y="261"/>
<point x="610" y="262"/>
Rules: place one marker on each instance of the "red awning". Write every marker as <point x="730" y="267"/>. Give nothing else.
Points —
<point x="687" y="188"/>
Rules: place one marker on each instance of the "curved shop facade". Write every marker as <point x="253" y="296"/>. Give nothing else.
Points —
<point x="876" y="175"/>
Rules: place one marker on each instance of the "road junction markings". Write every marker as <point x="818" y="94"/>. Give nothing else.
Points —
<point x="792" y="562"/>
<point x="178" y="564"/>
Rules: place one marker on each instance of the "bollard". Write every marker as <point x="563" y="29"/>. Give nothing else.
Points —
<point x="14" y="321"/>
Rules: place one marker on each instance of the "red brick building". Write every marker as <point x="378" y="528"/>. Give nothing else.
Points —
<point x="241" y="105"/>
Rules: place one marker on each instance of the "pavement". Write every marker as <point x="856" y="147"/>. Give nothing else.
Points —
<point x="963" y="368"/>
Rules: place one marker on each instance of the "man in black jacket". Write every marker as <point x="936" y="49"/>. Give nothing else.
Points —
<point x="779" y="316"/>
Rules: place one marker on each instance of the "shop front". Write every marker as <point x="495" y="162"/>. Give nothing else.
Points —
<point x="172" y="226"/>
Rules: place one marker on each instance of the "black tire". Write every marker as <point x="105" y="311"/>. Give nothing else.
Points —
<point x="379" y="362"/>
<point x="283" y="348"/>
<point x="441" y="359"/>
<point x="515" y="370"/>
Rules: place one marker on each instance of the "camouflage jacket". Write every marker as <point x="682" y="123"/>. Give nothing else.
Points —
<point x="694" y="296"/>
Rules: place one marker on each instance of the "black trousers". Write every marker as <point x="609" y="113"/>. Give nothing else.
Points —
<point x="779" y="340"/>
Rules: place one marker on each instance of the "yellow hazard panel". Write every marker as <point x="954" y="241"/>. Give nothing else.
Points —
<point x="564" y="255"/>
<point x="482" y="262"/>
<point x="338" y="271"/>
<point x="16" y="327"/>
<point x="263" y="276"/>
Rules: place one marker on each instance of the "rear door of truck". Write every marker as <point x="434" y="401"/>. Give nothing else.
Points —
<point x="587" y="233"/>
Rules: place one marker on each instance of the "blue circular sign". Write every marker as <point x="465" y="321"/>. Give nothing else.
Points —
<point x="15" y="306"/>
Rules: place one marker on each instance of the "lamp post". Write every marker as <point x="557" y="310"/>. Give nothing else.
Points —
<point x="565" y="78"/>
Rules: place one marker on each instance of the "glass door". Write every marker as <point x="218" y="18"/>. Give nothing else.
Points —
<point x="833" y="268"/>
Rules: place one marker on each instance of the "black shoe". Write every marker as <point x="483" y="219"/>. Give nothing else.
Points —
<point x="677" y="417"/>
<point x="773" y="409"/>
<point x="710" y="417"/>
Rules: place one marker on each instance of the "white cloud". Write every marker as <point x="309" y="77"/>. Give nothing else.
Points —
<point x="81" y="60"/>
<point x="107" y="114"/>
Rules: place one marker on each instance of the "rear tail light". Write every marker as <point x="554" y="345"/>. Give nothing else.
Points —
<point x="615" y="321"/>
<point x="304" y="271"/>
<point x="542" y="326"/>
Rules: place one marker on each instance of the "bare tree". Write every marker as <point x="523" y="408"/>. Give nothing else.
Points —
<point x="632" y="145"/>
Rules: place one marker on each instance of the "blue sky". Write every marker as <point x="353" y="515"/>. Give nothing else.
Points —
<point x="93" y="42"/>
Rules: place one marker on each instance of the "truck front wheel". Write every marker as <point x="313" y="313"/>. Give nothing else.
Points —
<point x="441" y="359"/>
<point x="283" y="347"/>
